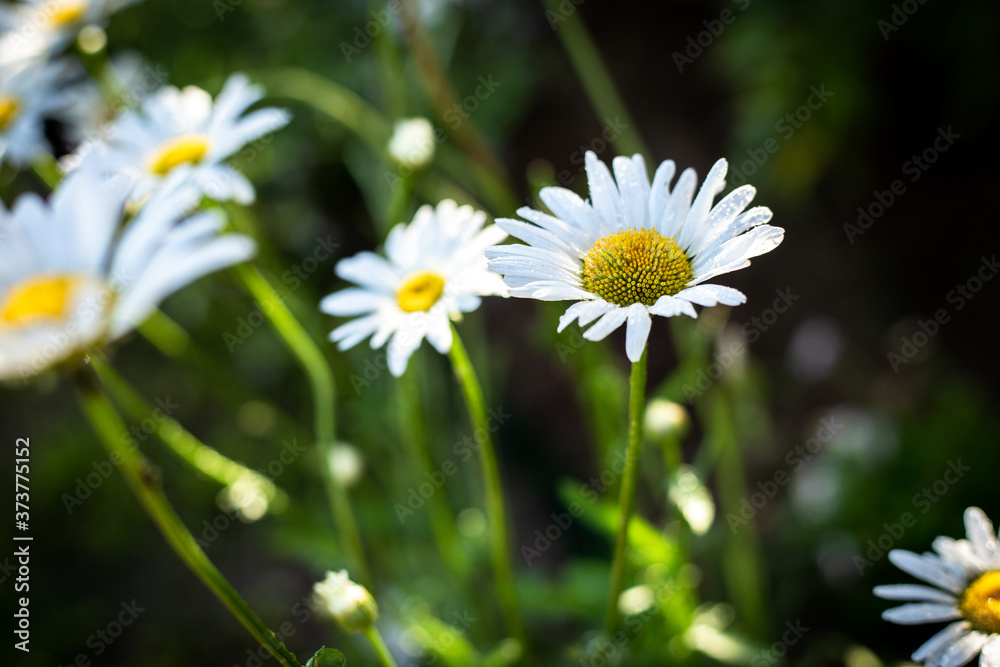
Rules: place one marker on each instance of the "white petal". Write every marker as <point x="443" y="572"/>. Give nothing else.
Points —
<point x="369" y="270"/>
<point x="633" y="193"/>
<point x="914" y="592"/>
<point x="550" y="290"/>
<point x="697" y="217"/>
<point x="568" y="206"/>
<point x="942" y="639"/>
<point x="402" y="346"/>
<point x="927" y="567"/>
<point x="671" y="306"/>
<point x="603" y="194"/>
<point x="676" y="209"/>
<point x="577" y="239"/>
<point x="991" y="653"/>
<point x="610" y="321"/>
<point x="962" y="651"/>
<point x="350" y="301"/>
<point x="660" y="190"/>
<point x="979" y="530"/>
<point x="439" y="332"/>
<point x="712" y="295"/>
<point x="585" y="312"/>
<point x="637" y="332"/>
<point x="351" y="333"/>
<point x="921" y="612"/>
<point x="722" y="217"/>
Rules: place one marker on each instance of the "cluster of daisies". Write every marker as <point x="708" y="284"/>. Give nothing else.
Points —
<point x="125" y="227"/>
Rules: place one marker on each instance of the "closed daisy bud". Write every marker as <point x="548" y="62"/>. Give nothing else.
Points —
<point x="666" y="419"/>
<point x="346" y="463"/>
<point x="348" y="603"/>
<point x="412" y="143"/>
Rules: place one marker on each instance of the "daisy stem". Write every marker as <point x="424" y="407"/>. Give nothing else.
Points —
<point x="47" y="169"/>
<point x="596" y="80"/>
<point x="165" y="334"/>
<point x="192" y="451"/>
<point x="626" y="499"/>
<point x="375" y="637"/>
<point x="472" y="391"/>
<point x="324" y="394"/>
<point x="142" y="478"/>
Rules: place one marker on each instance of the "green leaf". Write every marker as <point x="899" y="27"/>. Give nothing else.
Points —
<point x="327" y="657"/>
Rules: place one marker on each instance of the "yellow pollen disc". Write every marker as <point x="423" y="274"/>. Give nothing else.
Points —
<point x="185" y="149"/>
<point x="37" y="299"/>
<point x="9" y="108"/>
<point x="66" y="12"/>
<point x="636" y="266"/>
<point x="420" y="291"/>
<point x="980" y="603"/>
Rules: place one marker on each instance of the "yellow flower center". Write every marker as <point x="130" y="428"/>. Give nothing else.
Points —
<point x="9" y="108"/>
<point x="420" y="291"/>
<point x="38" y="299"/>
<point x="65" y="13"/>
<point x="980" y="603"/>
<point x="185" y="149"/>
<point x="636" y="266"/>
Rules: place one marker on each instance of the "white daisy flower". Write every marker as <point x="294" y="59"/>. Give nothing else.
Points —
<point x="185" y="130"/>
<point x="634" y="249"/>
<point x="69" y="281"/>
<point x="435" y="270"/>
<point x="28" y="93"/>
<point x="965" y="588"/>
<point x="43" y="27"/>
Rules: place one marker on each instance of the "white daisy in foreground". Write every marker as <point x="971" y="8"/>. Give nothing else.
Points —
<point x="965" y="575"/>
<point x="69" y="281"/>
<point x="28" y="94"/>
<point x="434" y="271"/>
<point x="184" y="130"/>
<point x="634" y="249"/>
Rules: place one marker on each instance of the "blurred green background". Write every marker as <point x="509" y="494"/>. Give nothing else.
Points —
<point x="859" y="294"/>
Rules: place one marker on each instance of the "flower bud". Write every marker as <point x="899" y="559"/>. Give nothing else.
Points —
<point x="348" y="603"/>
<point x="666" y="419"/>
<point x="412" y="143"/>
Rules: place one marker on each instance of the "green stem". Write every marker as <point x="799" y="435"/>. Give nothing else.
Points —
<point x="596" y="80"/>
<point x="324" y="399"/>
<point x="142" y="479"/>
<point x="375" y="637"/>
<point x="192" y="451"/>
<point x="165" y="334"/>
<point x="473" y="394"/>
<point x="47" y="169"/>
<point x="636" y="406"/>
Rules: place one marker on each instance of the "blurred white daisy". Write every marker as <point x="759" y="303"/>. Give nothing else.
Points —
<point x="412" y="143"/>
<point x="435" y="270"/>
<point x="28" y="93"/>
<point x="44" y="27"/>
<point x="635" y="249"/>
<point x="69" y="281"/>
<point x="965" y="575"/>
<point x="185" y="130"/>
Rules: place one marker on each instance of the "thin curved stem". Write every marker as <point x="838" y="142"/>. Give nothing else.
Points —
<point x="375" y="637"/>
<point x="190" y="449"/>
<point x="142" y="480"/>
<point x="324" y="394"/>
<point x="504" y="576"/>
<point x="636" y="407"/>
